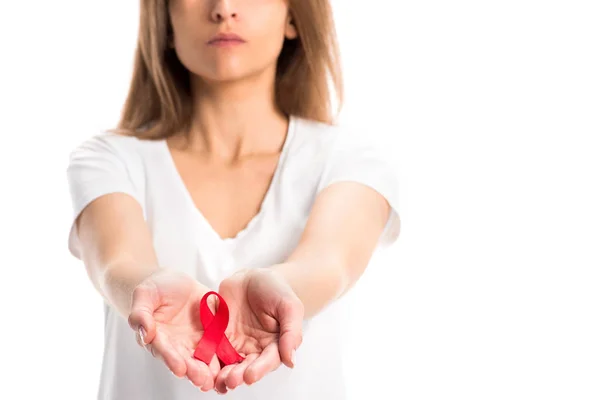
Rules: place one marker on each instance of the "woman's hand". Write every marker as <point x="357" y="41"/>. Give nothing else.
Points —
<point x="265" y="325"/>
<point x="165" y="316"/>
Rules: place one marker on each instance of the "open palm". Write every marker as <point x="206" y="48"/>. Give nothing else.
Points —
<point x="265" y="325"/>
<point x="165" y="305"/>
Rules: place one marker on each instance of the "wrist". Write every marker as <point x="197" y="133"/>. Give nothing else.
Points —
<point x="284" y="273"/>
<point x="119" y="282"/>
<point x="316" y="283"/>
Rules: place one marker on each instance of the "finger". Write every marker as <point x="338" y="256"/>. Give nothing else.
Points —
<point x="198" y="373"/>
<point x="209" y="384"/>
<point x="214" y="367"/>
<point x="162" y="348"/>
<point x="236" y="376"/>
<point x="220" y="386"/>
<point x="144" y="301"/>
<point x="268" y="361"/>
<point x="289" y="313"/>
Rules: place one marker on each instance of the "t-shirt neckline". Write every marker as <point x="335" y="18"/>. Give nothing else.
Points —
<point x="259" y="215"/>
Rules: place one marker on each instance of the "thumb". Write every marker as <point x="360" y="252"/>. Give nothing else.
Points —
<point x="145" y="300"/>
<point x="290" y="313"/>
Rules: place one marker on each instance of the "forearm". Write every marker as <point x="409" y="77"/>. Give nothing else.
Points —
<point x="339" y="239"/>
<point x="116" y="248"/>
<point x="117" y="281"/>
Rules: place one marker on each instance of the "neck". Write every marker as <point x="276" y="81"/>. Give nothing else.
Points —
<point x="235" y="119"/>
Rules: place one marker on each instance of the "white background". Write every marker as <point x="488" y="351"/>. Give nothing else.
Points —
<point x="490" y="110"/>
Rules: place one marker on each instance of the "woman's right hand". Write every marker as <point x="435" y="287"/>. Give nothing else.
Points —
<point x="165" y="317"/>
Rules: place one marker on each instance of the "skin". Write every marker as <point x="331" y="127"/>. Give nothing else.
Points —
<point x="231" y="149"/>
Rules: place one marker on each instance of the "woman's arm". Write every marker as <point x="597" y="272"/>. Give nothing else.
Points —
<point x="111" y="237"/>
<point x="345" y="224"/>
<point x="116" y="248"/>
<point x="340" y="237"/>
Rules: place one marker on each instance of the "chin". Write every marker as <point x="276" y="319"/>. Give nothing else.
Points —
<point x="229" y="74"/>
<point x="220" y="72"/>
<point x="225" y="75"/>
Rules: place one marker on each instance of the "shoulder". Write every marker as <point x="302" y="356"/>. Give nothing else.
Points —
<point x="107" y="162"/>
<point x="327" y="140"/>
<point x="110" y="157"/>
<point x="107" y="142"/>
<point x="112" y="147"/>
<point x="338" y="152"/>
<point x="317" y="136"/>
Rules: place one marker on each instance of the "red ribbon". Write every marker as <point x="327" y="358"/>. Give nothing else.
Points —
<point x="214" y="339"/>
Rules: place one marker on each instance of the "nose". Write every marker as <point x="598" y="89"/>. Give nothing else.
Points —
<point x="223" y="10"/>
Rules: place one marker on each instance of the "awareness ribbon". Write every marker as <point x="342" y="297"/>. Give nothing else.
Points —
<point x="214" y="339"/>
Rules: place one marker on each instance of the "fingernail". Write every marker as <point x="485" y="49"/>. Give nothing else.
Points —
<point x="293" y="357"/>
<point x="142" y="333"/>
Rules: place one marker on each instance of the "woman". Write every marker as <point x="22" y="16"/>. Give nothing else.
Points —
<point x="227" y="174"/>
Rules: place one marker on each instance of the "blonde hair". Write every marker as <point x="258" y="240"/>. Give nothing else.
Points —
<point x="159" y="100"/>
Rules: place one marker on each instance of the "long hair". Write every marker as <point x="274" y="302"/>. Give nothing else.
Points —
<point x="159" y="101"/>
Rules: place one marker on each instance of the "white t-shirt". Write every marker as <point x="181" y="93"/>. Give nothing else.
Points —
<point x="314" y="156"/>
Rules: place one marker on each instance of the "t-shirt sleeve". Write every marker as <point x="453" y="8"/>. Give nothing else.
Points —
<point x="354" y="159"/>
<point x="101" y="165"/>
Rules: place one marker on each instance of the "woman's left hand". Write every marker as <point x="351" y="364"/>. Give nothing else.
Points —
<point x="265" y="325"/>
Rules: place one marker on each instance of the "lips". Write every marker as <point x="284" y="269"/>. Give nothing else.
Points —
<point x="226" y="38"/>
